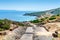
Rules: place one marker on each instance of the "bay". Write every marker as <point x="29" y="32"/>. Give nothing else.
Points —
<point x="15" y="15"/>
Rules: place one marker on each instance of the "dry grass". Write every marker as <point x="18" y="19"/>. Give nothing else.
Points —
<point x="59" y="35"/>
<point x="53" y="26"/>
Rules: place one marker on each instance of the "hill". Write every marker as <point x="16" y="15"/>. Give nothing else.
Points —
<point x="52" y="11"/>
<point x="6" y="24"/>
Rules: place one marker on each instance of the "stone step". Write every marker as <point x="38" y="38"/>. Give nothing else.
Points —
<point x="29" y="30"/>
<point x="43" y="37"/>
<point x="27" y="37"/>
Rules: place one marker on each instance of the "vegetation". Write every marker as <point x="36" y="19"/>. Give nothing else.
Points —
<point x="20" y="24"/>
<point x="5" y="24"/>
<point x="53" y="39"/>
<point x="42" y="19"/>
<point x="59" y="35"/>
<point x="56" y="11"/>
<point x="52" y="17"/>
<point x="35" y="21"/>
<point x="46" y="19"/>
<point x="35" y="13"/>
<point x="38" y="20"/>
<point x="58" y="14"/>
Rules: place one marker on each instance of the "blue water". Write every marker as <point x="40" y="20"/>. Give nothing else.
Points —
<point x="15" y="15"/>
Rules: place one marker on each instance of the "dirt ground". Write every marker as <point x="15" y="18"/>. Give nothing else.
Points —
<point x="53" y="26"/>
<point x="1" y="37"/>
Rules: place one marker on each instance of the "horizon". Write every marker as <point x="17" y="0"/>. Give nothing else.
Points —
<point x="28" y="10"/>
<point x="26" y="6"/>
<point x="29" y="5"/>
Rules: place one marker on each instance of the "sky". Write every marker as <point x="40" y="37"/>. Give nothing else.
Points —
<point x="29" y="5"/>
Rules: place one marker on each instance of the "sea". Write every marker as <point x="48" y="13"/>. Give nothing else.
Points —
<point x="16" y="15"/>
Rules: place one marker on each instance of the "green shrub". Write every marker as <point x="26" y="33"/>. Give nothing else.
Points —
<point x="59" y="35"/>
<point x="1" y="29"/>
<point x="53" y="39"/>
<point x="21" y="24"/>
<point x="6" y="26"/>
<point x="42" y="19"/>
<point x="35" y="21"/>
<point x="58" y="15"/>
<point x="52" y="17"/>
<point x="46" y="17"/>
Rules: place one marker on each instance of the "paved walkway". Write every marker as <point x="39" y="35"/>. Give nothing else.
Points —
<point x="29" y="30"/>
<point x="27" y="37"/>
<point x="40" y="32"/>
<point x="28" y="34"/>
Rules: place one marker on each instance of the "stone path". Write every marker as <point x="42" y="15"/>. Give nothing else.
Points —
<point x="38" y="34"/>
<point x="27" y="37"/>
<point x="31" y="33"/>
<point x="29" y="30"/>
<point x="15" y="34"/>
<point x="28" y="34"/>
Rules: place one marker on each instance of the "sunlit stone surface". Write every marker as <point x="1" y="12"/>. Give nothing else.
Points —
<point x="29" y="30"/>
<point x="15" y="34"/>
<point x="31" y="33"/>
<point x="27" y="37"/>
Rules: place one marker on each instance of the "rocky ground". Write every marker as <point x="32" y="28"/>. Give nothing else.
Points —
<point x="14" y="35"/>
<point x="54" y="27"/>
<point x="40" y="33"/>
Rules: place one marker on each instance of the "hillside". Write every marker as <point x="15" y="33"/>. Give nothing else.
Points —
<point x="6" y="24"/>
<point x="52" y="11"/>
<point x="9" y="27"/>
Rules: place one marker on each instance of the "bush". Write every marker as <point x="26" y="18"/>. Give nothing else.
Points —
<point x="5" y="26"/>
<point x="35" y="21"/>
<point x="52" y="18"/>
<point x="53" y="39"/>
<point x="58" y="14"/>
<point x="1" y="29"/>
<point x="46" y="17"/>
<point x="42" y="19"/>
<point x="58" y="35"/>
<point x="21" y="24"/>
